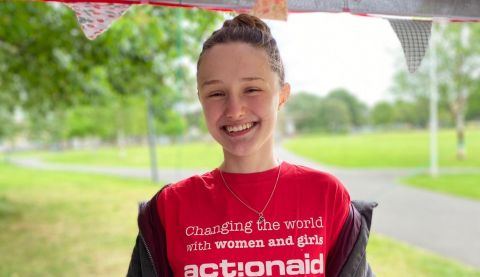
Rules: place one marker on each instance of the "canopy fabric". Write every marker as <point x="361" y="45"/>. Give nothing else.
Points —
<point x="96" y="18"/>
<point x="414" y="36"/>
<point x="454" y="10"/>
<point x="410" y="19"/>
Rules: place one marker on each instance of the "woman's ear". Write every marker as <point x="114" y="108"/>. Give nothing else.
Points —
<point x="284" y="94"/>
<point x="198" y="96"/>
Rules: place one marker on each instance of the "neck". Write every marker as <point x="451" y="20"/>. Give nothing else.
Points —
<point x="248" y="164"/>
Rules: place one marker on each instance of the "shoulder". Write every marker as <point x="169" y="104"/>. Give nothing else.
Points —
<point x="311" y="175"/>
<point x="189" y="187"/>
<point x="313" y="181"/>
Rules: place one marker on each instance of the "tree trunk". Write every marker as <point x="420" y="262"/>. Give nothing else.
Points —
<point x="121" y="144"/>
<point x="152" y="146"/>
<point x="460" y="125"/>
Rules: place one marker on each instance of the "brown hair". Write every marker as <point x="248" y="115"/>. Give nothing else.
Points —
<point x="249" y="29"/>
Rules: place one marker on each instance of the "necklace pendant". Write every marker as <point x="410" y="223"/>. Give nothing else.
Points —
<point x="261" y="218"/>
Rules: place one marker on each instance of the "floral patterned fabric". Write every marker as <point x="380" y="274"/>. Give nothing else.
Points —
<point x="96" y="18"/>
<point x="271" y="9"/>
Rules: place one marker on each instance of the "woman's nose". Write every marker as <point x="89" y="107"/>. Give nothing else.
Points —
<point x="235" y="107"/>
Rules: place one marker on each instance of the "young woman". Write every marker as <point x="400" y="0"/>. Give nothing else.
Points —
<point x="253" y="215"/>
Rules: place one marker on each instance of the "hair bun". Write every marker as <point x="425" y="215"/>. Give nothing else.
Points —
<point x="245" y="20"/>
<point x="251" y="30"/>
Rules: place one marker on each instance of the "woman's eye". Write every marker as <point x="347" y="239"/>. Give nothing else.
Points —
<point x="251" y="90"/>
<point x="215" y="94"/>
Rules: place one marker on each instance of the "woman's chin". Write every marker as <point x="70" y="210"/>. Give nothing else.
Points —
<point x="239" y="152"/>
<point x="246" y="149"/>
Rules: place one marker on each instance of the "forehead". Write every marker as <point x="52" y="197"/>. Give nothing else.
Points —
<point x="230" y="61"/>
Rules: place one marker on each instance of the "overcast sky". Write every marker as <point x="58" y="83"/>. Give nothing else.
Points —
<point x="324" y="51"/>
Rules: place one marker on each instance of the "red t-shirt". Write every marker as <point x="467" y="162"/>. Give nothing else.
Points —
<point x="209" y="232"/>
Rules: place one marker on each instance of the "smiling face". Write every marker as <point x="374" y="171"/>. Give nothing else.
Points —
<point x="240" y="96"/>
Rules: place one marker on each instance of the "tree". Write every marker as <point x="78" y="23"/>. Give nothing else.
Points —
<point x="302" y="109"/>
<point x="41" y="72"/>
<point x="47" y="65"/>
<point x="334" y="115"/>
<point x="383" y="114"/>
<point x="473" y="105"/>
<point x="174" y="125"/>
<point x="358" y="110"/>
<point x="46" y="127"/>
<point x="411" y="113"/>
<point x="310" y="113"/>
<point x="458" y="71"/>
<point x="7" y="125"/>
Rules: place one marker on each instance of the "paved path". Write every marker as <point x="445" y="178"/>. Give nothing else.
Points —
<point x="166" y="175"/>
<point x="447" y="225"/>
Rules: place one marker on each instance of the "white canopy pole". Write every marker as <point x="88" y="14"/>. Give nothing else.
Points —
<point x="433" y="107"/>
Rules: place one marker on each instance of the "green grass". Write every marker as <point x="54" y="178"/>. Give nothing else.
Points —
<point x="384" y="150"/>
<point x="463" y="185"/>
<point x="67" y="224"/>
<point x="392" y="258"/>
<point x="194" y="155"/>
<point x="71" y="224"/>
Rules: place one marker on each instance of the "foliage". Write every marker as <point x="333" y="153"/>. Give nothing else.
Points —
<point x="47" y="66"/>
<point x="458" y="59"/>
<point x="196" y="119"/>
<point x="356" y="109"/>
<point x="83" y="121"/>
<point x="410" y="114"/>
<point x="174" y="125"/>
<point x="46" y="126"/>
<point x="473" y="105"/>
<point x="334" y="116"/>
<point x="302" y="110"/>
<point x="415" y="114"/>
<point x="117" y="115"/>
<point x="7" y="126"/>
<point x="338" y="112"/>
<point x="382" y="114"/>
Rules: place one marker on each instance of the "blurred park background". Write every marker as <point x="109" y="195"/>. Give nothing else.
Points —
<point x="65" y="100"/>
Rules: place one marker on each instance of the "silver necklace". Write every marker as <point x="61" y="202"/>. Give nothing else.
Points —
<point x="261" y="217"/>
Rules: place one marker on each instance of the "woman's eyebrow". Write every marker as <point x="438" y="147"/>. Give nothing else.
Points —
<point x="211" y="82"/>
<point x="252" y="79"/>
<point x="244" y="79"/>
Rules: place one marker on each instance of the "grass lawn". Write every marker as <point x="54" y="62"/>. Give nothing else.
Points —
<point x="389" y="149"/>
<point x="193" y="155"/>
<point x="463" y="185"/>
<point x="391" y="258"/>
<point x="72" y="224"/>
<point x="67" y="224"/>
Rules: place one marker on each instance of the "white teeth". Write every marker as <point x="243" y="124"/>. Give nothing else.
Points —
<point x="238" y="128"/>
